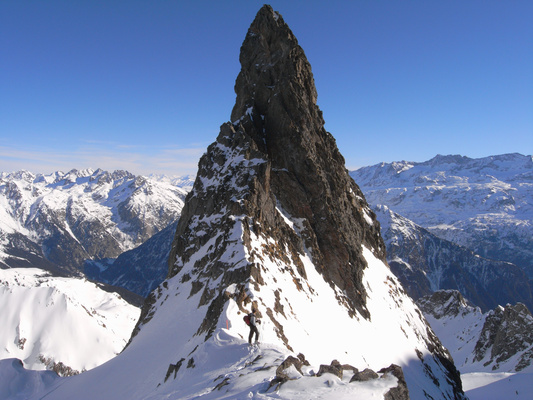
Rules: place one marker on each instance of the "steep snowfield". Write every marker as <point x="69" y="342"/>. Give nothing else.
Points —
<point x="66" y="323"/>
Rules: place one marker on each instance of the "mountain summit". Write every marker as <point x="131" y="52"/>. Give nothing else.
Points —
<point x="274" y="222"/>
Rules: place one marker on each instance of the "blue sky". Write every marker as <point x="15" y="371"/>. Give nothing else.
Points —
<point x="145" y="85"/>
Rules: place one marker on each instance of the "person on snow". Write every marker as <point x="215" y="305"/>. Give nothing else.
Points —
<point x="253" y="326"/>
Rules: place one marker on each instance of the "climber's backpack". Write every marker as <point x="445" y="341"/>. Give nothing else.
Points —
<point x="247" y="319"/>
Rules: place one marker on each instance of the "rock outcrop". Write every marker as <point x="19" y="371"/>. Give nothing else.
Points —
<point x="507" y="332"/>
<point x="499" y="340"/>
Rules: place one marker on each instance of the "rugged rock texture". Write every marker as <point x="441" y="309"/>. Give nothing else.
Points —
<point x="334" y="368"/>
<point x="400" y="392"/>
<point x="365" y="375"/>
<point x="507" y="331"/>
<point x="274" y="221"/>
<point x="445" y="303"/>
<point x="425" y="263"/>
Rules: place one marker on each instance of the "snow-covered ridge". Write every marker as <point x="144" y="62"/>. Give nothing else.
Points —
<point x="66" y="324"/>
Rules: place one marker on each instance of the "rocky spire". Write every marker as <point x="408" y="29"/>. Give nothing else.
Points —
<point x="275" y="221"/>
<point x="302" y="172"/>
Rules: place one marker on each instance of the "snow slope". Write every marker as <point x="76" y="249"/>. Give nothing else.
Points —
<point x="498" y="386"/>
<point x="66" y="324"/>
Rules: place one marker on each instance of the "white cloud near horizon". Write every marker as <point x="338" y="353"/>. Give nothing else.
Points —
<point x="135" y="159"/>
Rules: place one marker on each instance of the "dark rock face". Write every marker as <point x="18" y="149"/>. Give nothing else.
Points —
<point x="506" y="332"/>
<point x="272" y="199"/>
<point x="287" y="161"/>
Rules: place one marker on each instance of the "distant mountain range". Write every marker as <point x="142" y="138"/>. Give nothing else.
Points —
<point x="117" y="227"/>
<point x="63" y="221"/>
<point x="483" y="204"/>
<point x="425" y="263"/>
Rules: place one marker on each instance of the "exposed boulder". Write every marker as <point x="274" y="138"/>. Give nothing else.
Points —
<point x="334" y="368"/>
<point x="365" y="375"/>
<point x="289" y="369"/>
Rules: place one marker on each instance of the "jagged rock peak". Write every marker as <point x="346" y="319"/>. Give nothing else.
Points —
<point x="276" y="157"/>
<point x="275" y="72"/>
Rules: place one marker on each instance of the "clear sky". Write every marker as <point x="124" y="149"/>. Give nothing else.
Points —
<point x="145" y="85"/>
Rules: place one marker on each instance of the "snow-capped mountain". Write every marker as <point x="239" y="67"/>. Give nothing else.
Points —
<point x="483" y="204"/>
<point x="59" y="221"/>
<point x="182" y="181"/>
<point x="275" y="222"/>
<point x="425" y="263"/>
<point x="64" y="324"/>
<point x="500" y="340"/>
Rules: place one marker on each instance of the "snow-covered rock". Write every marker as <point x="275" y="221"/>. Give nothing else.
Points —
<point x="275" y="222"/>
